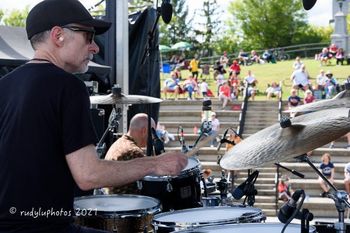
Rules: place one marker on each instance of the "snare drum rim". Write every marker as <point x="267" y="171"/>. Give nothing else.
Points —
<point x="195" y="224"/>
<point x="112" y="214"/>
<point x="244" y="226"/>
<point x="195" y="169"/>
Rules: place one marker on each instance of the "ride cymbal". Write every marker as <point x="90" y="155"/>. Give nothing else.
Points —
<point x="275" y="144"/>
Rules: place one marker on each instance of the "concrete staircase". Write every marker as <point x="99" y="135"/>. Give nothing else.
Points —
<point x="260" y="114"/>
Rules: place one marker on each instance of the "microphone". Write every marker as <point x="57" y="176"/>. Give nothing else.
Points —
<point x="157" y="143"/>
<point x="224" y="140"/>
<point x="184" y="148"/>
<point x="166" y="11"/>
<point x="289" y="207"/>
<point x="245" y="187"/>
<point x="308" y="4"/>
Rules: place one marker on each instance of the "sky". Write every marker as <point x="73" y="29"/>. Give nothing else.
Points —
<point x="319" y="15"/>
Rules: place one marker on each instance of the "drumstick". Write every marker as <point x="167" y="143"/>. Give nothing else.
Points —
<point x="199" y="145"/>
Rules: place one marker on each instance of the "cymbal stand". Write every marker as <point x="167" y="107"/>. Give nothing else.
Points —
<point x="112" y="128"/>
<point x="340" y="197"/>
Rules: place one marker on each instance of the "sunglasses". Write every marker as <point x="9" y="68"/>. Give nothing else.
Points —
<point x="90" y="33"/>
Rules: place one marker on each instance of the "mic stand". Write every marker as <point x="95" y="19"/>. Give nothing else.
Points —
<point x="340" y="197"/>
<point x="223" y="187"/>
<point x="112" y="127"/>
<point x="290" y="170"/>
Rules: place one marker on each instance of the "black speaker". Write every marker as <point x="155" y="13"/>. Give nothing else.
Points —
<point x="98" y="118"/>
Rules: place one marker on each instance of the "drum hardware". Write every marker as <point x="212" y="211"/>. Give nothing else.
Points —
<point x="291" y="170"/>
<point x="339" y="197"/>
<point x="247" y="188"/>
<point x="180" y="134"/>
<point x="222" y="186"/>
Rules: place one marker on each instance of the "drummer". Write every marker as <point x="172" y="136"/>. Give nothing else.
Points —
<point x="129" y="147"/>
<point x="46" y="135"/>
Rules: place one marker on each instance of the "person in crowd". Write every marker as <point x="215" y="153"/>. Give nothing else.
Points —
<point x="324" y="57"/>
<point x="215" y="128"/>
<point x="347" y="178"/>
<point x="163" y="134"/>
<point x="268" y="56"/>
<point x="128" y="147"/>
<point x="224" y="94"/>
<point x="321" y="80"/>
<point x="333" y="48"/>
<point x="340" y="56"/>
<point x="297" y="63"/>
<point x="194" y="67"/>
<point x="47" y="136"/>
<point x="285" y="190"/>
<point x="331" y="145"/>
<point x="273" y="90"/>
<point x="300" y="79"/>
<point x="251" y="82"/>
<point x="219" y="77"/>
<point x="204" y="87"/>
<point x="254" y="56"/>
<point x="224" y="60"/>
<point x="243" y="57"/>
<point x="235" y="67"/>
<point x="171" y="84"/>
<point x="205" y="71"/>
<point x="331" y="85"/>
<point x="327" y="169"/>
<point x="293" y="101"/>
<point x="235" y="83"/>
<point x="177" y="72"/>
<point x="190" y="85"/>
<point x="309" y="98"/>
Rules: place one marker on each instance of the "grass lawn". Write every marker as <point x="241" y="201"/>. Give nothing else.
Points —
<point x="281" y="71"/>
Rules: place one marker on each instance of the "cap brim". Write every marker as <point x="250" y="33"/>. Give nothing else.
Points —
<point x="100" y="26"/>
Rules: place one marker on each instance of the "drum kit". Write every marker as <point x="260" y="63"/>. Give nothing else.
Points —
<point x="175" y="204"/>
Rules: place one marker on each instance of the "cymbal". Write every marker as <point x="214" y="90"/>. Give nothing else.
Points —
<point x="124" y="99"/>
<point x="275" y="144"/>
<point x="341" y="100"/>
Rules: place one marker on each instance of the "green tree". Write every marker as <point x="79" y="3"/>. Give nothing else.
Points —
<point x="16" y="18"/>
<point x="268" y="23"/>
<point x="209" y="25"/>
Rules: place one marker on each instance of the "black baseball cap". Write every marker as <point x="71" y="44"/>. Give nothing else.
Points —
<point x="49" y="13"/>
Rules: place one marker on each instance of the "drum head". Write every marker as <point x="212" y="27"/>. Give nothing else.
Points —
<point x="117" y="203"/>
<point x="206" y="216"/>
<point x="250" y="228"/>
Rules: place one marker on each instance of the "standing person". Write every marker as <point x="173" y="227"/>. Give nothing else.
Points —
<point x="327" y="169"/>
<point x="215" y="127"/>
<point x="129" y="146"/>
<point x="194" y="64"/>
<point x="47" y="141"/>
<point x="224" y="60"/>
<point x="297" y="63"/>
<point x="204" y="87"/>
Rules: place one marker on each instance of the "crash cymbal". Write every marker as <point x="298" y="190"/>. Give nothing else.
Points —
<point x="124" y="99"/>
<point x="275" y="144"/>
<point x="341" y="100"/>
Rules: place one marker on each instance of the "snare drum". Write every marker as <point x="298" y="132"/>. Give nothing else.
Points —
<point x="205" y="216"/>
<point x="175" y="193"/>
<point x="250" y="228"/>
<point x="116" y="213"/>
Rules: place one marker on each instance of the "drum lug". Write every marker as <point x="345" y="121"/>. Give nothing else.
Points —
<point x="139" y="184"/>
<point x="169" y="187"/>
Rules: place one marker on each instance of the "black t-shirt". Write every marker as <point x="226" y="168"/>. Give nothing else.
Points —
<point x="44" y="115"/>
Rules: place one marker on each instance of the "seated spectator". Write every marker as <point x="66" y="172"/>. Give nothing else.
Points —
<point x="234" y="82"/>
<point x="273" y="91"/>
<point x="300" y="79"/>
<point x="243" y="58"/>
<point x="321" y="80"/>
<point x="324" y="57"/>
<point x="251" y="83"/>
<point x="327" y="169"/>
<point x="332" y="50"/>
<point x="297" y="64"/>
<point x="268" y="56"/>
<point x="190" y="85"/>
<point x="285" y="190"/>
<point x="235" y="67"/>
<point x="204" y="87"/>
<point x="331" y="85"/>
<point x="347" y="178"/>
<point x="163" y="134"/>
<point x="215" y="127"/>
<point x="224" y="94"/>
<point x="254" y="56"/>
<point x="309" y="98"/>
<point x="218" y="69"/>
<point x="293" y="101"/>
<point x="340" y="56"/>
<point x="177" y="72"/>
<point x="172" y="85"/>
